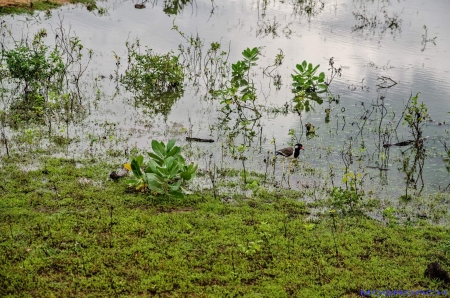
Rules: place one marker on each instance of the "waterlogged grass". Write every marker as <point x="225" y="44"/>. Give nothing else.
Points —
<point x="41" y="5"/>
<point x="67" y="230"/>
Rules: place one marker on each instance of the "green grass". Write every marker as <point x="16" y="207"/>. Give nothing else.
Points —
<point x="41" y="5"/>
<point x="67" y="230"/>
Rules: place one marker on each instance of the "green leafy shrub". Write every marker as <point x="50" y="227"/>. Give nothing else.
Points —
<point x="165" y="172"/>
<point x="33" y="67"/>
<point x="41" y="81"/>
<point x="151" y="74"/>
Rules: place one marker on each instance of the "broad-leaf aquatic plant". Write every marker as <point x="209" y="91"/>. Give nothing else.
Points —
<point x="165" y="173"/>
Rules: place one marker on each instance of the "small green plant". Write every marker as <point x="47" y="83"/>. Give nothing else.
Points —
<point x="416" y="116"/>
<point x="241" y="91"/>
<point x="152" y="74"/>
<point x="238" y="99"/>
<point x="389" y="215"/>
<point x="251" y="248"/>
<point x="165" y="172"/>
<point x="349" y="198"/>
<point x="446" y="246"/>
<point x="306" y="85"/>
<point x="305" y="79"/>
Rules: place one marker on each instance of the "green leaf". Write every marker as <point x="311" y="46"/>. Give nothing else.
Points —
<point x="315" y="68"/>
<point x="304" y="64"/>
<point x="140" y="160"/>
<point x="168" y="162"/>
<point x="193" y="171"/>
<point x="158" y="159"/>
<point x="181" y="160"/>
<point x="158" y="149"/>
<point x="322" y="76"/>
<point x="175" y="150"/>
<point x="176" y="194"/>
<point x="132" y="181"/>
<point x="176" y="185"/>
<point x="136" y="169"/>
<point x="170" y="145"/>
<point x="153" y="183"/>
<point x="305" y="86"/>
<point x="186" y="175"/>
<point x="152" y="167"/>
<point x="163" y="171"/>
<point x="173" y="171"/>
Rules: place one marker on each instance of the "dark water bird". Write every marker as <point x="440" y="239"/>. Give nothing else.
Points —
<point x="290" y="153"/>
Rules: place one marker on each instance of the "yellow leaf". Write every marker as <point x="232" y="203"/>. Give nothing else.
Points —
<point x="127" y="166"/>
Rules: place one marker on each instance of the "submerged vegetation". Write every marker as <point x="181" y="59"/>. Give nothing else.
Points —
<point x="214" y="218"/>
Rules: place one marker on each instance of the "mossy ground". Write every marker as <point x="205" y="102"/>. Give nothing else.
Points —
<point x="67" y="230"/>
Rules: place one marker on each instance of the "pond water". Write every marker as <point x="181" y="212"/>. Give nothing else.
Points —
<point x="403" y="41"/>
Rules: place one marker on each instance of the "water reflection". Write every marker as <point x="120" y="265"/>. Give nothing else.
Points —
<point x="160" y="104"/>
<point x="378" y="22"/>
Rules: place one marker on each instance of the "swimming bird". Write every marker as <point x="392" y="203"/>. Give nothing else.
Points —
<point x="290" y="152"/>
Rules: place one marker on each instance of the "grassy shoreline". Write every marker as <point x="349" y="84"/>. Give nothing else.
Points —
<point x="67" y="230"/>
<point x="41" y="5"/>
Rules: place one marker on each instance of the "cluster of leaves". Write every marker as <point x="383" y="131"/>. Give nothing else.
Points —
<point x="165" y="172"/>
<point x="152" y="74"/>
<point x="307" y="85"/>
<point x="416" y="116"/>
<point x="239" y="96"/>
<point x="241" y="89"/>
